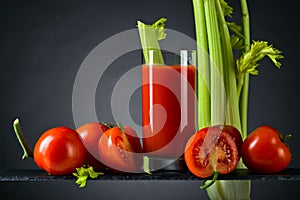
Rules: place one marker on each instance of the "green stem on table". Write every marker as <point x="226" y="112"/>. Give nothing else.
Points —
<point x="209" y="183"/>
<point x="22" y="141"/>
<point x="245" y="77"/>
<point x="217" y="89"/>
<point x="202" y="64"/>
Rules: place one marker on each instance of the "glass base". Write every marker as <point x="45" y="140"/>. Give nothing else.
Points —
<point x="166" y="164"/>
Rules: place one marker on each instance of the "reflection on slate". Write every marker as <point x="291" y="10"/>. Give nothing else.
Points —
<point x="238" y="174"/>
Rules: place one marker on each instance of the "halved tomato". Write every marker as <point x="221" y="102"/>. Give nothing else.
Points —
<point x="210" y="150"/>
<point x="121" y="150"/>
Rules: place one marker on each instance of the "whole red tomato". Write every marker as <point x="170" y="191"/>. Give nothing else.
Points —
<point x="90" y="134"/>
<point x="264" y="151"/>
<point x="59" y="151"/>
<point x="121" y="150"/>
<point x="210" y="150"/>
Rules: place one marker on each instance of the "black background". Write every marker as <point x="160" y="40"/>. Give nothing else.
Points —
<point x="43" y="44"/>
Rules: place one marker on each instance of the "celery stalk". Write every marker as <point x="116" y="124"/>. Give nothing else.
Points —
<point x="235" y="76"/>
<point x="229" y="189"/>
<point x="203" y="65"/>
<point x="245" y="87"/>
<point x="149" y="37"/>
<point x="232" y="108"/>
<point x="218" y="95"/>
<point x="223" y="83"/>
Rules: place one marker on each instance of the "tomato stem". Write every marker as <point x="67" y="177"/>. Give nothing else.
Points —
<point x="286" y="139"/>
<point x="120" y="126"/>
<point x="109" y="125"/>
<point x="22" y="141"/>
<point x="208" y="183"/>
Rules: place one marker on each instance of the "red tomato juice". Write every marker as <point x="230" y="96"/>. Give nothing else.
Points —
<point x="168" y="109"/>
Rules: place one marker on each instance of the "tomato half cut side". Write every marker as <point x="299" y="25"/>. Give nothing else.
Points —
<point x="120" y="151"/>
<point x="234" y="132"/>
<point x="211" y="150"/>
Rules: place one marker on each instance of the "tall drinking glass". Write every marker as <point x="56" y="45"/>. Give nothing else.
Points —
<point x="168" y="107"/>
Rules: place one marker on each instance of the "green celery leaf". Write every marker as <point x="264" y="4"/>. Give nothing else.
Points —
<point x="248" y="62"/>
<point x="237" y="29"/>
<point x="81" y="181"/>
<point x="92" y="173"/>
<point x="83" y="173"/>
<point x="236" y="42"/>
<point x="159" y="27"/>
<point x="227" y="10"/>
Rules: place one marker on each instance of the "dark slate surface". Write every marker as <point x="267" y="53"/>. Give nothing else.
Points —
<point x="239" y="174"/>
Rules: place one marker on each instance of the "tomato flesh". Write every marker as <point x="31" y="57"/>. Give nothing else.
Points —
<point x="211" y="150"/>
<point x="235" y="134"/>
<point x="59" y="151"/>
<point x="120" y="150"/>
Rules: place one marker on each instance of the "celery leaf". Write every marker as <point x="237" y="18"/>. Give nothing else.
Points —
<point x="237" y="29"/>
<point x="227" y="10"/>
<point x="236" y="42"/>
<point x="248" y="62"/>
<point x="84" y="173"/>
<point x="159" y="27"/>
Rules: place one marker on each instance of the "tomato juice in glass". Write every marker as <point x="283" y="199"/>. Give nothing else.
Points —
<point x="168" y="109"/>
